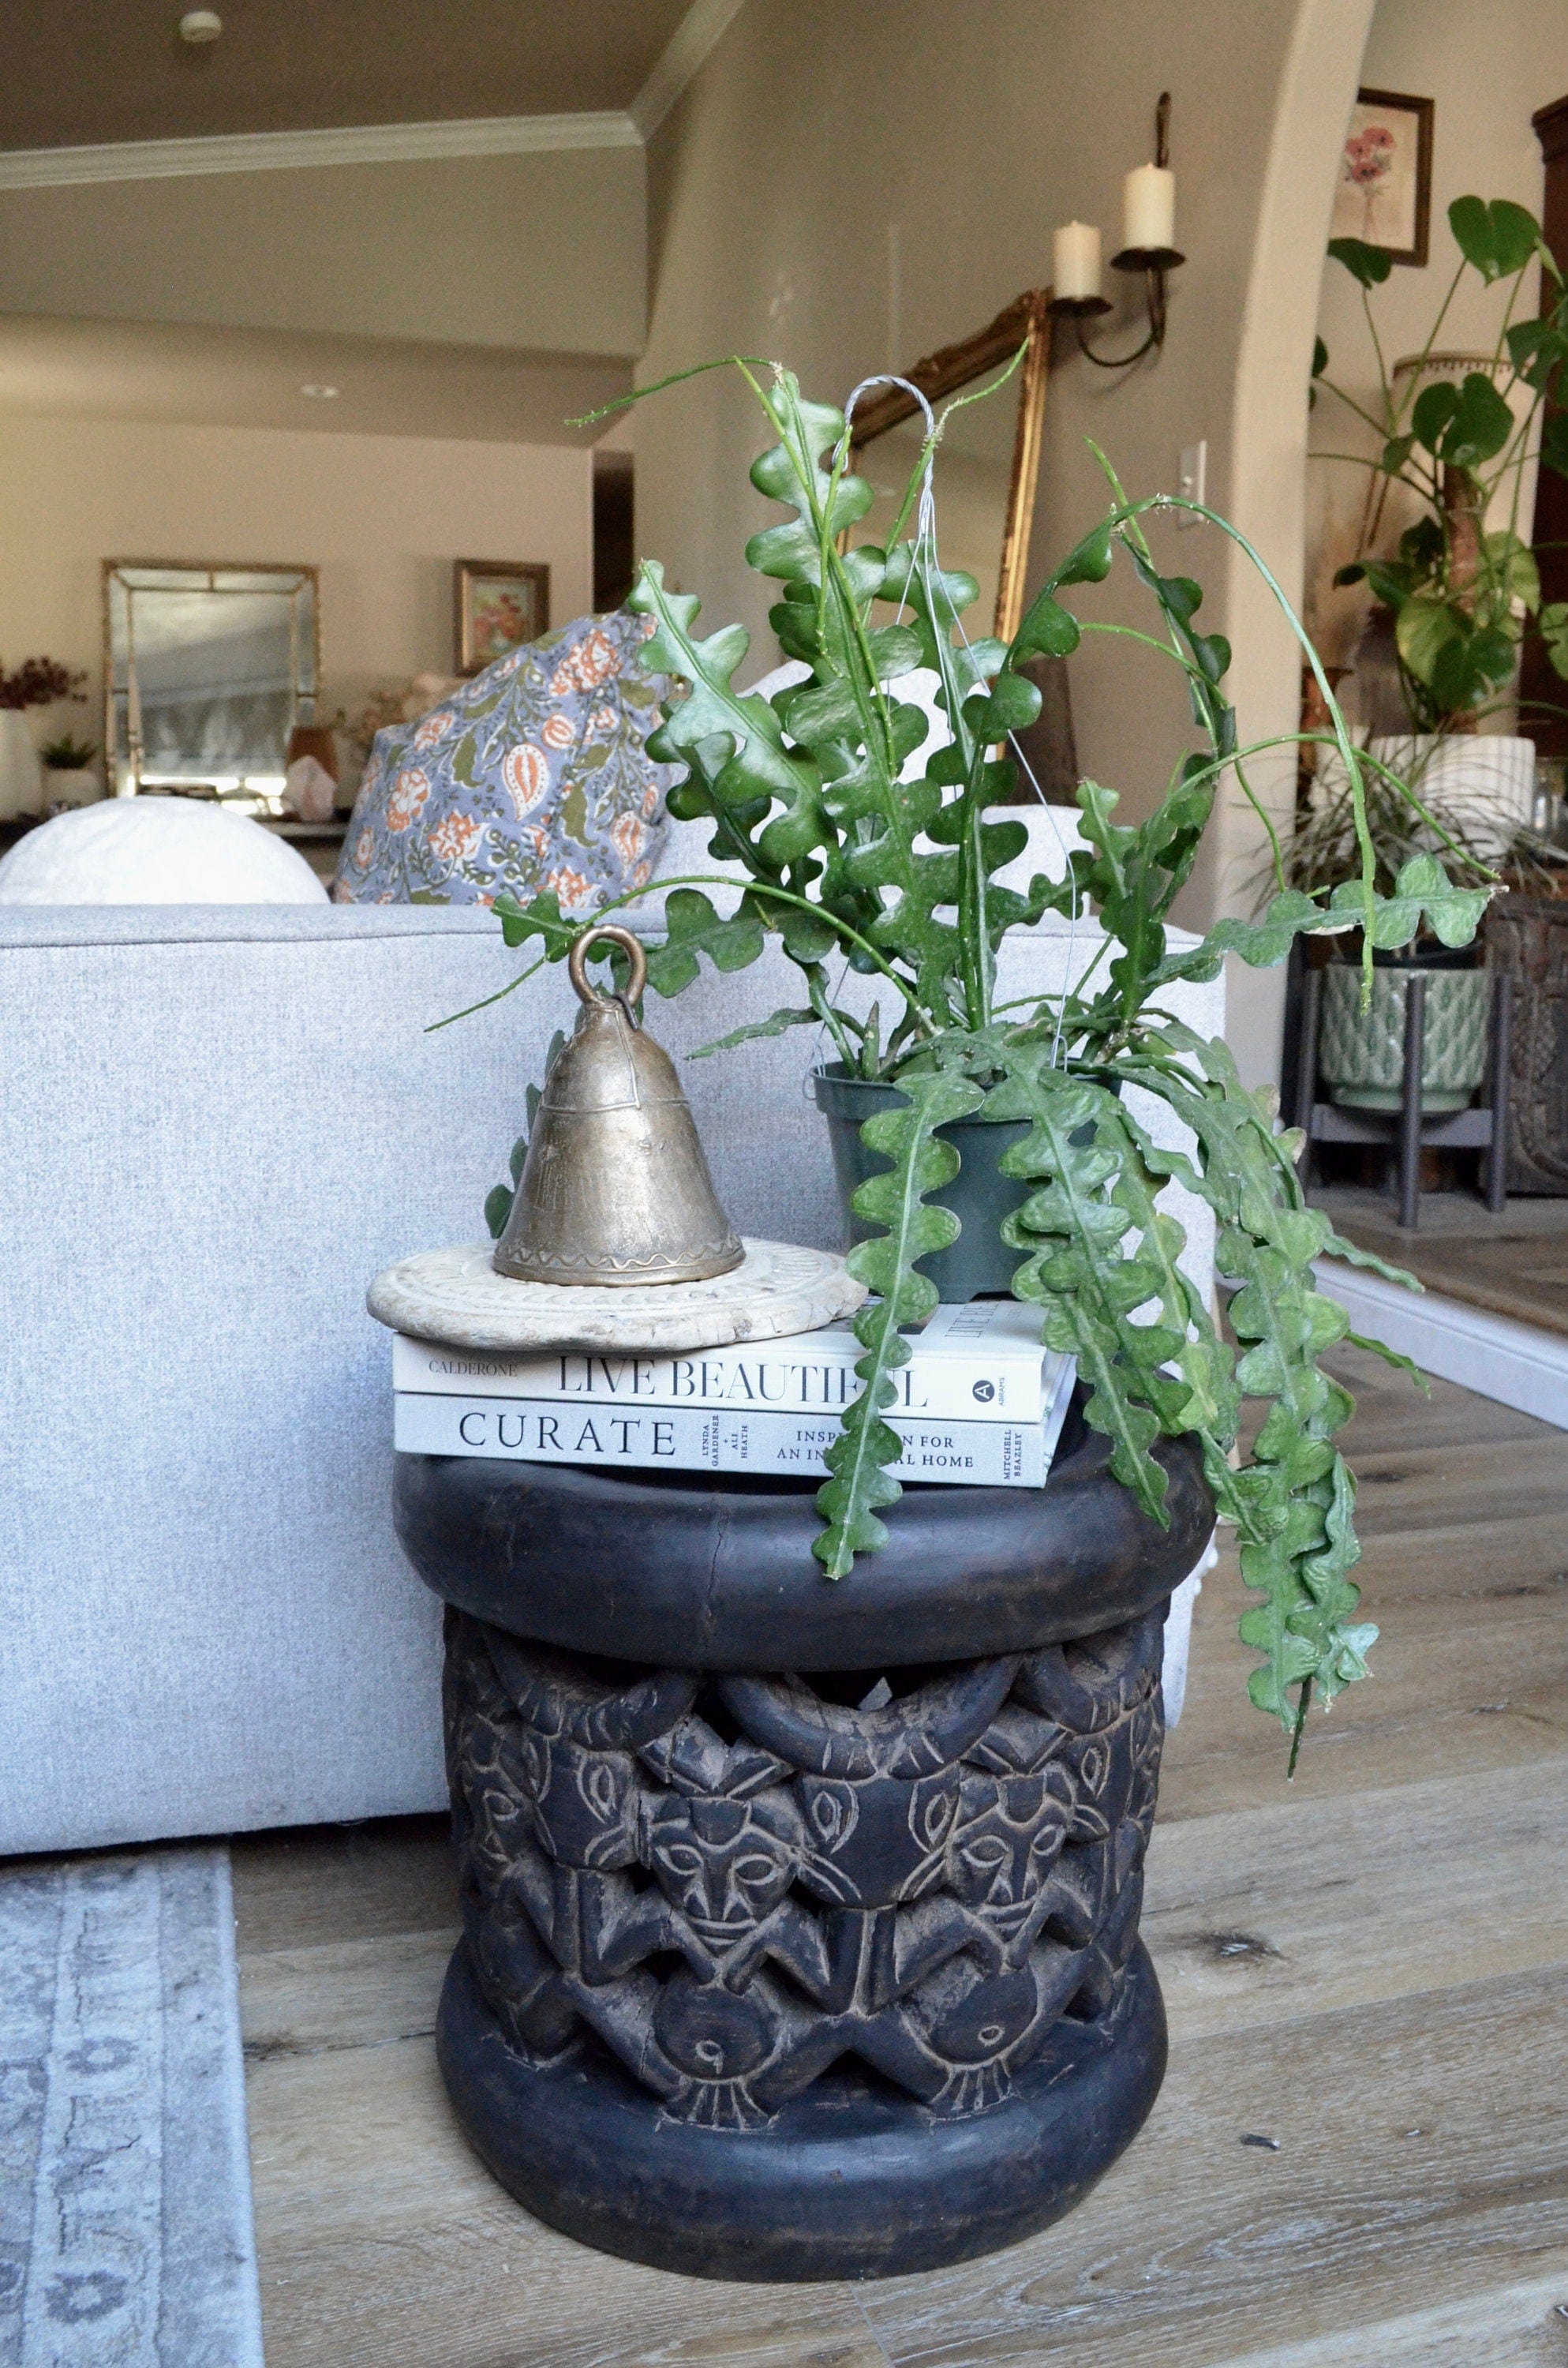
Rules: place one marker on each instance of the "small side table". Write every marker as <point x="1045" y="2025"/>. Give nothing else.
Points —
<point x="781" y="1977"/>
<point x="1483" y="1127"/>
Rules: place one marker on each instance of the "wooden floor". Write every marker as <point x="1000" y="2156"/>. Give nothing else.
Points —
<point x="1367" y="1970"/>
<point x="1515" y="1264"/>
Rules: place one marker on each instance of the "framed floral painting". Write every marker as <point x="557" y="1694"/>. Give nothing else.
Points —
<point x="1385" y="195"/>
<point x="498" y="603"/>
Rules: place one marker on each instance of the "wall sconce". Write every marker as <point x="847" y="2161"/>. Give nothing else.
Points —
<point x="1148" y="245"/>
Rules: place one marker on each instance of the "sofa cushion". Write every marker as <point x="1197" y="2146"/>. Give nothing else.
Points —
<point x="534" y="775"/>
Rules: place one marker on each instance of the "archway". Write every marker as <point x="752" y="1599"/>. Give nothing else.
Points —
<point x="1269" y="456"/>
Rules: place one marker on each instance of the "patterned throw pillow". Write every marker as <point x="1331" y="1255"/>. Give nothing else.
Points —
<point x="534" y="775"/>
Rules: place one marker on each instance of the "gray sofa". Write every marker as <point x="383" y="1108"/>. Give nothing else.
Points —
<point x="216" y="1124"/>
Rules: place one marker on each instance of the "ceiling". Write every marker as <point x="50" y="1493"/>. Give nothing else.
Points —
<point x="79" y="72"/>
<point x="252" y="377"/>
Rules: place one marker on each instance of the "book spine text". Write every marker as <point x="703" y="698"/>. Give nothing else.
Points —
<point x="941" y="1388"/>
<point x="690" y="1438"/>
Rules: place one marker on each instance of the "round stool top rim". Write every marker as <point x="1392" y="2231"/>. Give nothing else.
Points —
<point x="692" y="1570"/>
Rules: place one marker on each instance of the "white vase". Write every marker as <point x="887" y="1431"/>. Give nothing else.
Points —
<point x="21" y="783"/>
<point x="1484" y="782"/>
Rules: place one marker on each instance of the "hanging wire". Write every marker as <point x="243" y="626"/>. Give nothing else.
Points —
<point x="887" y="377"/>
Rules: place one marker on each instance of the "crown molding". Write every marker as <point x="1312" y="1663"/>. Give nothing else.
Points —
<point x="696" y="37"/>
<point x="364" y="143"/>
<point x="701" y="30"/>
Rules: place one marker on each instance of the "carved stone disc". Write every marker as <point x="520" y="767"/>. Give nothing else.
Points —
<point x="456" y="1295"/>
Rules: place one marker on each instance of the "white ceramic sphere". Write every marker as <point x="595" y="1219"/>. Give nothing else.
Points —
<point x="155" y="852"/>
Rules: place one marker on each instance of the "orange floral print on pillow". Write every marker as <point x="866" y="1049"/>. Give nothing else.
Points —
<point x="535" y="771"/>
<point x="526" y="773"/>
<point x="410" y="793"/>
<point x="455" y="836"/>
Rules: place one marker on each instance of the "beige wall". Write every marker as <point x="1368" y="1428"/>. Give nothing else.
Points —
<point x="1486" y="90"/>
<point x="383" y="517"/>
<point x="537" y="251"/>
<point x="1267" y="487"/>
<point x="847" y="189"/>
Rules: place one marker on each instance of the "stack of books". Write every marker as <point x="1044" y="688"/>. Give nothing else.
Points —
<point x="980" y="1402"/>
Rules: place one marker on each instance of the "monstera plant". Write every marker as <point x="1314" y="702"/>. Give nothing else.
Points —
<point x="843" y="855"/>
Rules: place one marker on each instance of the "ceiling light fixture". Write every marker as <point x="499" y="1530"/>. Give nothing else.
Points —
<point x="322" y="393"/>
<point x="198" y="25"/>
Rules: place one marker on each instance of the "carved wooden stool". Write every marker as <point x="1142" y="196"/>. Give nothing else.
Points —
<point x="775" y="1976"/>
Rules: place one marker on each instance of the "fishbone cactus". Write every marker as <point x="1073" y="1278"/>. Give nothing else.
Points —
<point x="843" y="857"/>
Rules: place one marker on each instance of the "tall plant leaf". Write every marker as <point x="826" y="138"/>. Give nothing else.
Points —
<point x="860" y="1484"/>
<point x="1072" y="1226"/>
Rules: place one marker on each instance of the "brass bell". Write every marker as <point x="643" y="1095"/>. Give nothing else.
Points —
<point x="615" y="1189"/>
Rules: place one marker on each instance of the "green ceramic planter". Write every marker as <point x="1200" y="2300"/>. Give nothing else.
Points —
<point x="980" y="1196"/>
<point x="1361" y="1054"/>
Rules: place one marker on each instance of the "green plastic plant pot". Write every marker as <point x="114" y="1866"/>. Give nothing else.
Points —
<point x="980" y="1196"/>
<point x="1361" y="1054"/>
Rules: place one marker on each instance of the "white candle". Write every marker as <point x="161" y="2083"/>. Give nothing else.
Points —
<point x="1075" y="261"/>
<point x="1149" y="208"/>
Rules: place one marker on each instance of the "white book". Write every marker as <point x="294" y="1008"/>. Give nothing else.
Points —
<point x="981" y="1363"/>
<point x="699" y="1439"/>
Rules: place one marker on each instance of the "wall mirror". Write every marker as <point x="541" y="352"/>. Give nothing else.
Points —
<point x="207" y="670"/>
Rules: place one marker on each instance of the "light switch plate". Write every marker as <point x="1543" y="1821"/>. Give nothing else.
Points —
<point x="1192" y="472"/>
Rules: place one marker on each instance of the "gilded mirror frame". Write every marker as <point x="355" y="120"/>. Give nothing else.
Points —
<point x="293" y="580"/>
<point x="1025" y="322"/>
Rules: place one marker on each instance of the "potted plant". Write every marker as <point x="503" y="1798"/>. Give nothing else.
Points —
<point x="70" y="777"/>
<point x="1361" y="1036"/>
<point x="842" y="856"/>
<point x="701" y="1888"/>
<point x="1453" y="438"/>
<point x="37" y="682"/>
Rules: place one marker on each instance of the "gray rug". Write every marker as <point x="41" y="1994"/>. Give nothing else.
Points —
<point x="126" y="2238"/>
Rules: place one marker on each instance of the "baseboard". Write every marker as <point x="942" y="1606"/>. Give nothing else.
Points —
<point x="1510" y="1363"/>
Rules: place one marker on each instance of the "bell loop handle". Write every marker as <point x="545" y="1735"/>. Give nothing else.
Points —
<point x="633" y="948"/>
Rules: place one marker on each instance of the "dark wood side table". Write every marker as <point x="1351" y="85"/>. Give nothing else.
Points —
<point x="781" y="1976"/>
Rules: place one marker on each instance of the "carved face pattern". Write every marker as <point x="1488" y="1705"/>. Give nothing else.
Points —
<point x="1010" y="1837"/>
<point x="725" y="1865"/>
<point x="491" y="1799"/>
<point x="791" y="1899"/>
<point x="1100" y="1766"/>
<point x="586" y="1805"/>
<point x="498" y="1822"/>
<point x="879" y="1842"/>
